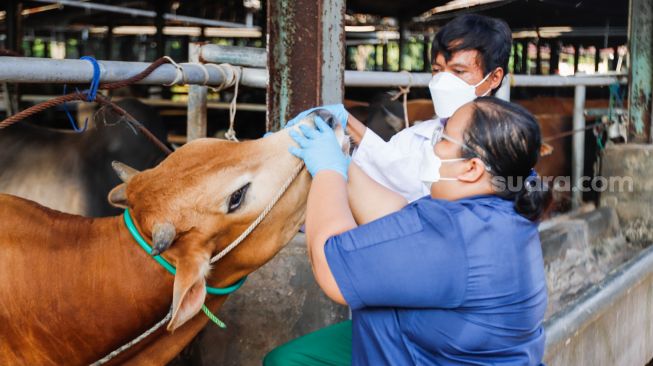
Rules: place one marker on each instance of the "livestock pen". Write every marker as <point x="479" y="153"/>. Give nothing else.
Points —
<point x="597" y="256"/>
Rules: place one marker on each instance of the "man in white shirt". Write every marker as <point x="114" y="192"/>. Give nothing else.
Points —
<point x="470" y="57"/>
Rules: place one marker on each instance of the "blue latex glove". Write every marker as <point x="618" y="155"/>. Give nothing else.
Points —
<point x="319" y="148"/>
<point x="338" y="111"/>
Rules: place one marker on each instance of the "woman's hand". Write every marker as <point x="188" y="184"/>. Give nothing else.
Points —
<point x="319" y="148"/>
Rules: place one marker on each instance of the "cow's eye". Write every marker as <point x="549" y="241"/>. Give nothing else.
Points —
<point x="237" y="198"/>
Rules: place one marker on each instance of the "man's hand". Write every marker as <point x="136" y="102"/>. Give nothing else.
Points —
<point x="337" y="110"/>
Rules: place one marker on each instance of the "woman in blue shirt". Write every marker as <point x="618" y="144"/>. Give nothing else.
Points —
<point x="454" y="278"/>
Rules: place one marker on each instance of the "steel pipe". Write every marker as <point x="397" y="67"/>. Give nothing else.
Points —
<point x="390" y="79"/>
<point x="256" y="57"/>
<point x="197" y="99"/>
<point x="235" y="55"/>
<point x="42" y="70"/>
<point x="578" y="146"/>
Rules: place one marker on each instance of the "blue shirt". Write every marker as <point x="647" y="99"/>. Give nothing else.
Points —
<point x="444" y="283"/>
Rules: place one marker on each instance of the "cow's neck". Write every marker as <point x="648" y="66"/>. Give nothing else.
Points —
<point x="127" y="285"/>
<point x="84" y="282"/>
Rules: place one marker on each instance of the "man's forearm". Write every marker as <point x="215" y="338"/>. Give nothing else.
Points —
<point x="356" y="129"/>
<point x="368" y="199"/>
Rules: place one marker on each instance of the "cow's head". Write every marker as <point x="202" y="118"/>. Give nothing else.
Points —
<point x="203" y="196"/>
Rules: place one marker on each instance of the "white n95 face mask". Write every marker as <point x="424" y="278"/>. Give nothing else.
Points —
<point x="450" y="92"/>
<point x="429" y="170"/>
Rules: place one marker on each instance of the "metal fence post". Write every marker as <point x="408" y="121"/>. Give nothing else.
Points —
<point x="197" y="100"/>
<point x="578" y="144"/>
<point x="640" y="31"/>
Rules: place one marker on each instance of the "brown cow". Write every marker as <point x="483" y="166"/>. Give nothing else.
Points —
<point x="73" y="289"/>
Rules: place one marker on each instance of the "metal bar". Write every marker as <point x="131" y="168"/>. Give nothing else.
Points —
<point x="332" y="68"/>
<point x="515" y="59"/>
<point x="578" y="145"/>
<point x="256" y="57"/>
<point x="538" y="57"/>
<point x="576" y="57"/>
<point x="159" y="22"/>
<point x="402" y="43"/>
<point x="297" y="48"/>
<point x="524" y="58"/>
<point x="242" y="56"/>
<point x="12" y="18"/>
<point x="197" y="99"/>
<point x="41" y="70"/>
<point x="641" y="70"/>
<point x="143" y="13"/>
<point x="384" y="79"/>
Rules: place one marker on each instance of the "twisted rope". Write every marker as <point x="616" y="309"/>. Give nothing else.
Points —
<point x="403" y="91"/>
<point x="234" y="81"/>
<point x="129" y="344"/>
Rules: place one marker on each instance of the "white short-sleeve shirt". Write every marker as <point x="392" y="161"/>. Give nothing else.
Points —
<point x="395" y="164"/>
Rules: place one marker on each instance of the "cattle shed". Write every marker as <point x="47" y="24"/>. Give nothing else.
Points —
<point x="237" y="69"/>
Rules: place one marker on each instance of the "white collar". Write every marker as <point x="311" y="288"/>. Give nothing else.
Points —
<point x="425" y="128"/>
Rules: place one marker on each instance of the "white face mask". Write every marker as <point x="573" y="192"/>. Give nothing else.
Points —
<point x="429" y="170"/>
<point x="450" y="92"/>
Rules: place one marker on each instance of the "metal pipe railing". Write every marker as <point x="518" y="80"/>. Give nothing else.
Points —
<point x="235" y="55"/>
<point x="421" y="79"/>
<point x="257" y="57"/>
<point x="44" y="70"/>
<point x="197" y="99"/>
<point x="578" y="145"/>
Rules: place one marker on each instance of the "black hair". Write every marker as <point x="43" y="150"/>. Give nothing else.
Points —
<point x="491" y="37"/>
<point x="507" y="138"/>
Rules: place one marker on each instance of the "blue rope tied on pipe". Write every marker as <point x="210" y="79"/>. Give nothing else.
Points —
<point x="91" y="93"/>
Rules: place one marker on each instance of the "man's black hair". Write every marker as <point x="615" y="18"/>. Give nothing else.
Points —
<point x="491" y="37"/>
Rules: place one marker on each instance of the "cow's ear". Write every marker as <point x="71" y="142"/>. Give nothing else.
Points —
<point x="189" y="289"/>
<point x="118" y="196"/>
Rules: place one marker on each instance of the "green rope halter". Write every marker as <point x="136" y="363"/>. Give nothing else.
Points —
<point x="170" y="268"/>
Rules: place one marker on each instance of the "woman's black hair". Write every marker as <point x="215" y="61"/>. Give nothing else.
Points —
<point x="491" y="37"/>
<point x="506" y="137"/>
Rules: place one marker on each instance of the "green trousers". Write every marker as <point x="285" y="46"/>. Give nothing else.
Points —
<point x="330" y="346"/>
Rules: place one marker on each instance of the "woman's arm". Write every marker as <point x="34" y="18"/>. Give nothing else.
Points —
<point x="368" y="199"/>
<point x="327" y="214"/>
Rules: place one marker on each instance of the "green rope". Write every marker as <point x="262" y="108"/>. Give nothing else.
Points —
<point x="213" y="318"/>
<point x="210" y="290"/>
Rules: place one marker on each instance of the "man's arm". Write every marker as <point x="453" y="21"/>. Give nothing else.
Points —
<point x="368" y="199"/>
<point x="356" y="129"/>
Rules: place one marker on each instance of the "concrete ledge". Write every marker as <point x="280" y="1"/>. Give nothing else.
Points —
<point x="610" y="325"/>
